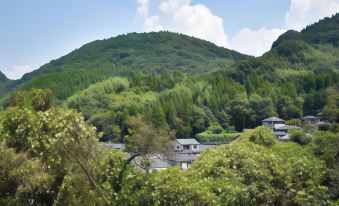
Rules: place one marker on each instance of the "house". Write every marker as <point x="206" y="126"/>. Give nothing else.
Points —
<point x="186" y="146"/>
<point x="183" y="153"/>
<point x="316" y="122"/>
<point x="278" y="127"/>
<point x="310" y="120"/>
<point x="281" y="135"/>
<point x="273" y="122"/>
<point x="286" y="128"/>
<point x="323" y="125"/>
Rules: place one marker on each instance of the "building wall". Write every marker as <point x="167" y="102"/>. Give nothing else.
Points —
<point x="267" y="124"/>
<point x="187" y="148"/>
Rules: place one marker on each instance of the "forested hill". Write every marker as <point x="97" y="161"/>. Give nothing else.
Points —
<point x="313" y="50"/>
<point x="298" y="77"/>
<point x="4" y="82"/>
<point x="125" y="55"/>
<point x="2" y="77"/>
<point x="323" y="32"/>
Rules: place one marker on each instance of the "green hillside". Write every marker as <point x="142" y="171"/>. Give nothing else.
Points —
<point x="314" y="49"/>
<point x="3" y="77"/>
<point x="297" y="77"/>
<point x="188" y="85"/>
<point x="125" y="55"/>
<point x="4" y="83"/>
<point x="145" y="91"/>
<point x="325" y="32"/>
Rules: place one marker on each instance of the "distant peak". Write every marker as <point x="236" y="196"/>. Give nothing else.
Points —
<point x="3" y="76"/>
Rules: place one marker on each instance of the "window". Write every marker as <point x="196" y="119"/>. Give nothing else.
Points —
<point x="195" y="147"/>
<point x="178" y="147"/>
<point x="186" y="147"/>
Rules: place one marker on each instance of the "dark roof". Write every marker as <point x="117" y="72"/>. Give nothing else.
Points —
<point x="184" y="157"/>
<point x="159" y="163"/>
<point x="273" y="119"/>
<point x="187" y="141"/>
<point x="310" y="117"/>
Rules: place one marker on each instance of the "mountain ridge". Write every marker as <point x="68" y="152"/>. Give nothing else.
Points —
<point x="126" y="55"/>
<point x="3" y="77"/>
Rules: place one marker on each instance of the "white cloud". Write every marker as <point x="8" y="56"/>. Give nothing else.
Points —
<point x="16" y="72"/>
<point x="199" y="21"/>
<point x="168" y="6"/>
<point x="142" y="9"/>
<point x="304" y="12"/>
<point x="255" y="42"/>
<point x="151" y="23"/>
<point x="183" y="17"/>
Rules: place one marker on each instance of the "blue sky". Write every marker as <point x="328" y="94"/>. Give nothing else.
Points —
<point x="34" y="32"/>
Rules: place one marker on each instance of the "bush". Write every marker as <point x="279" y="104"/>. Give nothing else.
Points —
<point x="300" y="137"/>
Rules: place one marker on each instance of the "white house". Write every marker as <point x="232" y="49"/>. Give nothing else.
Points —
<point x="183" y="153"/>
<point x="278" y="127"/>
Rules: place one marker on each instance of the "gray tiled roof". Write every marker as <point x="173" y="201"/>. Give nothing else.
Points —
<point x="273" y="119"/>
<point x="159" y="163"/>
<point x="310" y="117"/>
<point x="184" y="157"/>
<point x="187" y="141"/>
<point x="288" y="127"/>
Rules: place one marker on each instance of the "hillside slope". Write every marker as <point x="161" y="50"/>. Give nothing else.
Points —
<point x="297" y="77"/>
<point x="125" y="55"/>
<point x="314" y="49"/>
<point x="3" y="77"/>
<point x="4" y="82"/>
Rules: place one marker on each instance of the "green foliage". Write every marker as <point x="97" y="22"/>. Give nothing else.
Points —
<point x="36" y="99"/>
<point x="144" y="141"/>
<point x="57" y="142"/>
<point x="52" y="158"/>
<point x="331" y="109"/>
<point x="248" y="173"/>
<point x="325" y="146"/>
<point x="216" y="134"/>
<point x="192" y="104"/>
<point x="4" y="83"/>
<point x="24" y="180"/>
<point x="42" y="100"/>
<point x="296" y="122"/>
<point x="262" y="136"/>
<point x="300" y="137"/>
<point x="176" y="84"/>
<point x="175" y="187"/>
<point x="125" y="55"/>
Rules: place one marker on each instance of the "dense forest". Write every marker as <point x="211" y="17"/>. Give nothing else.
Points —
<point x="51" y="156"/>
<point x="190" y="105"/>
<point x="146" y="89"/>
